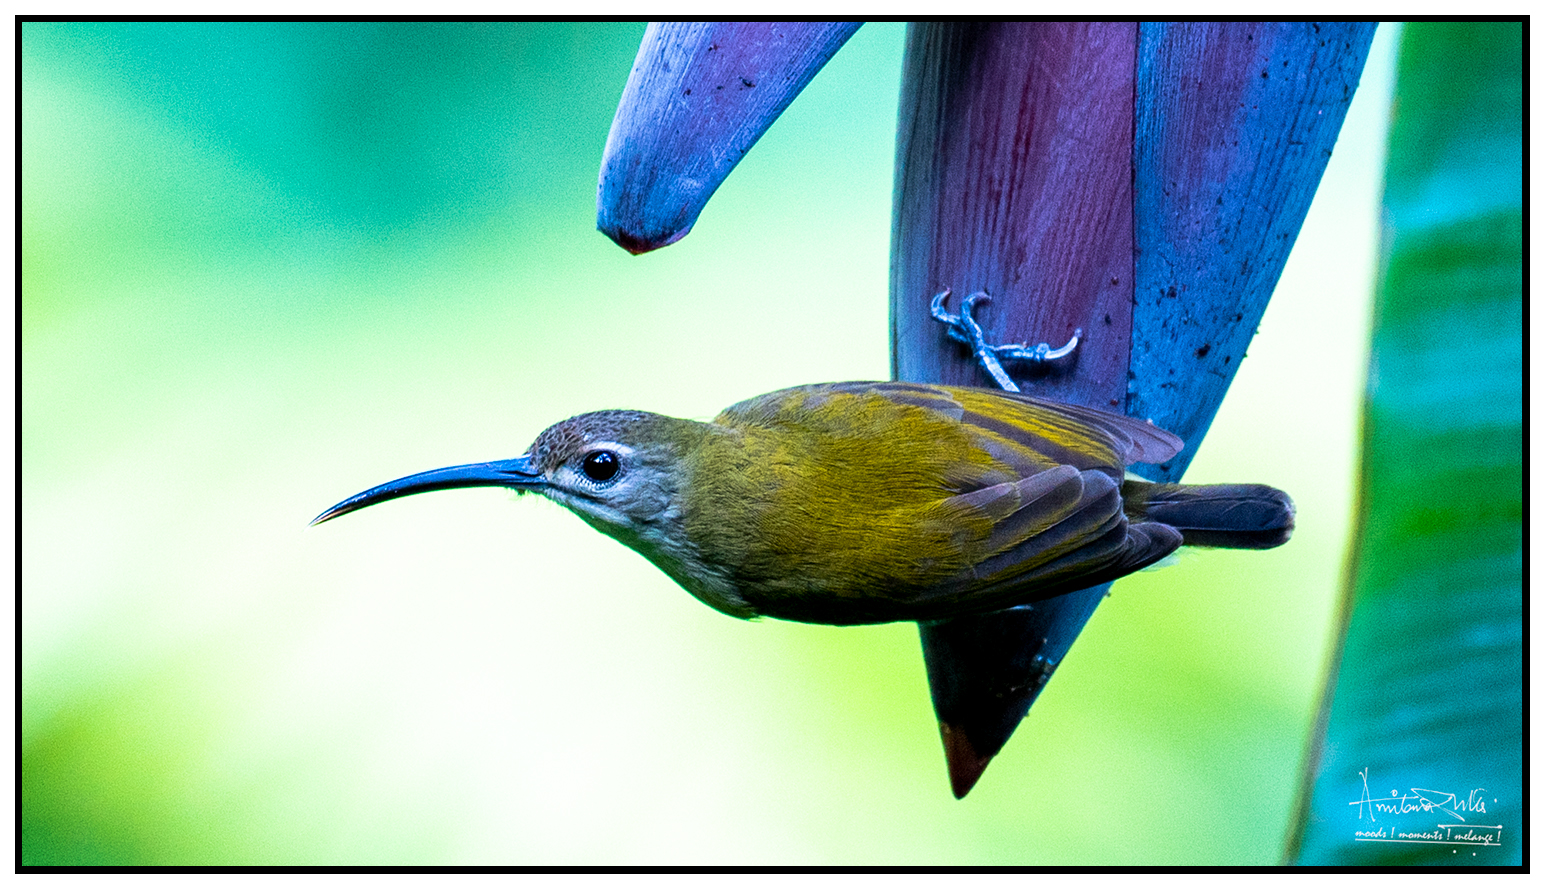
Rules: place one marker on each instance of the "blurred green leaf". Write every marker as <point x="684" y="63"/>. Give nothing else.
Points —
<point x="1426" y="698"/>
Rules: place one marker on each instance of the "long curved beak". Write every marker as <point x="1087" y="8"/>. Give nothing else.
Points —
<point x="518" y="473"/>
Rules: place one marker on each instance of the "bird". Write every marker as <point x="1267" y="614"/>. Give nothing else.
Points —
<point x="873" y="502"/>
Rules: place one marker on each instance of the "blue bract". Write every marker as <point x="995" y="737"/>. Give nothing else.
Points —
<point x="1133" y="188"/>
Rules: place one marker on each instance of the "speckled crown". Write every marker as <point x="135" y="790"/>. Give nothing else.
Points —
<point x="563" y="441"/>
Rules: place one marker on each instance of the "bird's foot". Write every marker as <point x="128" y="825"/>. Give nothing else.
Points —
<point x="963" y="328"/>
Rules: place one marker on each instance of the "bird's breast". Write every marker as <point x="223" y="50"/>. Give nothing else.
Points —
<point x="793" y="521"/>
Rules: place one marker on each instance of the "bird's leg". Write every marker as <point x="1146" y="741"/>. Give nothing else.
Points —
<point x="963" y="328"/>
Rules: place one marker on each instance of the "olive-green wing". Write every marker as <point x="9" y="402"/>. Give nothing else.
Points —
<point x="1051" y="432"/>
<point x="1032" y="494"/>
<point x="1053" y="533"/>
<point x="1068" y="427"/>
<point x="1057" y="529"/>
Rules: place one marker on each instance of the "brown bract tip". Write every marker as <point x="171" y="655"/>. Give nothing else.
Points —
<point x="636" y="245"/>
<point x="966" y="765"/>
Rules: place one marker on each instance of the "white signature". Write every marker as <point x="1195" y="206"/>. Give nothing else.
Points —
<point x="1421" y="799"/>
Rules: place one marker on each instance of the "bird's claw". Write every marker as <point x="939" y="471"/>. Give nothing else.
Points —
<point x="963" y="328"/>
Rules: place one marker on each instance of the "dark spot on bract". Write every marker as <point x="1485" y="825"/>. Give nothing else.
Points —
<point x="1205" y="348"/>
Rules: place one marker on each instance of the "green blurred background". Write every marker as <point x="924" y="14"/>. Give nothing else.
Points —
<point x="266" y="266"/>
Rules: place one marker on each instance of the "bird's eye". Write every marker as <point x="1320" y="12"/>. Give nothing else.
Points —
<point x="600" y="466"/>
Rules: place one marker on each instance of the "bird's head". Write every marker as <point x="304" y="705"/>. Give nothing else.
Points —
<point x="618" y="470"/>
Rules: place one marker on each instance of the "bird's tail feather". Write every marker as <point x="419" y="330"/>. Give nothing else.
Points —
<point x="1233" y="516"/>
